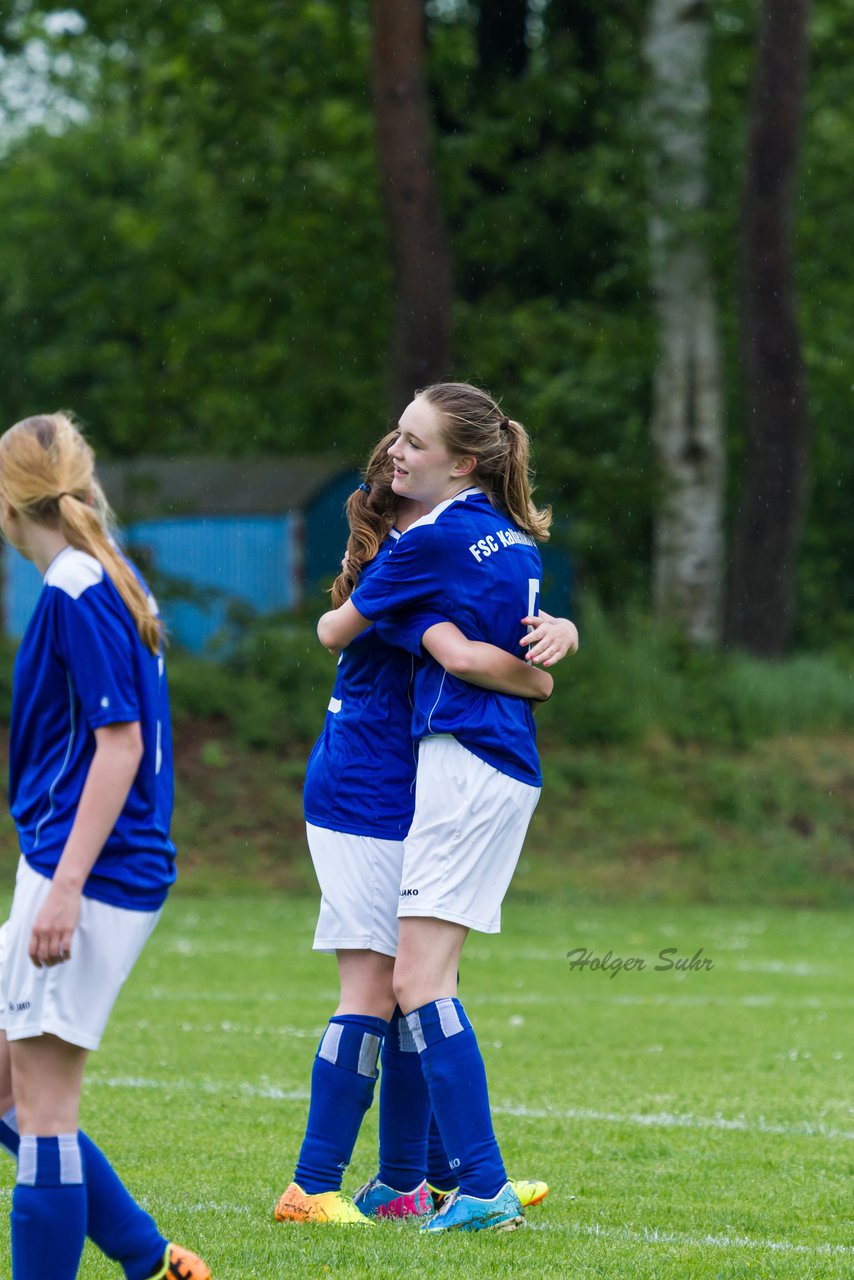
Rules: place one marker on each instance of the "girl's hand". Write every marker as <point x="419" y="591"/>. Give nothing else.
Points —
<point x="53" y="927"/>
<point x="549" y="639"/>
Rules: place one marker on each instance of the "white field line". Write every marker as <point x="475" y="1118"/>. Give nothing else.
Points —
<point x="652" y="1235"/>
<point x="651" y="1120"/>
<point x="669" y="1120"/>
<point x="215" y="1088"/>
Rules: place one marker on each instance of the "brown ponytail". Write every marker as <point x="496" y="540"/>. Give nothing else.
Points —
<point x="47" y="474"/>
<point x="371" y="511"/>
<point x="473" y="425"/>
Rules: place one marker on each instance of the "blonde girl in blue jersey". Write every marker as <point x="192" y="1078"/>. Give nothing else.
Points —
<point x="91" y="795"/>
<point x="358" y="806"/>
<point x="473" y="561"/>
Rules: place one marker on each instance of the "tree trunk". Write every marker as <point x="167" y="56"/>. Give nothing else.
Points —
<point x="420" y="252"/>
<point x="687" y="415"/>
<point x="776" y="466"/>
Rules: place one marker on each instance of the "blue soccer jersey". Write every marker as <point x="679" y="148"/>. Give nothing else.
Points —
<point x="81" y="665"/>
<point x="360" y="777"/>
<point x="466" y="562"/>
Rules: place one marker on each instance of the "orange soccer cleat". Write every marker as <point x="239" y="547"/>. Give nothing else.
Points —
<point x="180" y="1264"/>
<point x="326" y="1206"/>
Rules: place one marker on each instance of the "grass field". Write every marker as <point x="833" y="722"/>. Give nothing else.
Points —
<point x="693" y="1123"/>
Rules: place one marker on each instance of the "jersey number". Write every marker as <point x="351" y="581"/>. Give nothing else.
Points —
<point x="533" y="598"/>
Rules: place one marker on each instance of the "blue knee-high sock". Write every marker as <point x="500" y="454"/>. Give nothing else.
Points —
<point x="48" y="1209"/>
<point x="404" y="1109"/>
<point x="456" y="1078"/>
<point x="439" y="1172"/>
<point x="342" y="1088"/>
<point x="116" y="1223"/>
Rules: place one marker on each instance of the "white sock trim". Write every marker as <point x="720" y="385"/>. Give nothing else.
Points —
<point x="368" y="1055"/>
<point x="70" y="1159"/>
<point x="449" y="1019"/>
<point x="329" y="1044"/>
<point x="27" y="1160"/>
<point x="414" y="1021"/>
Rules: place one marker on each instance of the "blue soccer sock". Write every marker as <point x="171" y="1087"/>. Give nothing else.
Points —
<point x="439" y="1172"/>
<point x="404" y="1109"/>
<point x="48" y="1209"/>
<point x="116" y="1223"/>
<point x="342" y="1088"/>
<point x="456" y="1078"/>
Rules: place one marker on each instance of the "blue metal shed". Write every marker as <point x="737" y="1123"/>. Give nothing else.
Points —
<point x="212" y="533"/>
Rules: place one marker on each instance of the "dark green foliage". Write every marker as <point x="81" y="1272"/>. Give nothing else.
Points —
<point x="632" y="682"/>
<point x="202" y="265"/>
<point x="269" y="686"/>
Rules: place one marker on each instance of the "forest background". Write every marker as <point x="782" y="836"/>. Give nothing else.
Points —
<point x="201" y="254"/>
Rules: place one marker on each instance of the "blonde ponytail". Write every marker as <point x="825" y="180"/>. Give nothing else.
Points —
<point x="47" y="475"/>
<point x="82" y="527"/>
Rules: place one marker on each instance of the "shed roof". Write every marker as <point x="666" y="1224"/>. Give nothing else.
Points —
<point x="144" y="488"/>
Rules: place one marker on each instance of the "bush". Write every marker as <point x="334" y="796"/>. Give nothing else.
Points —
<point x="270" y="683"/>
<point x="633" y="679"/>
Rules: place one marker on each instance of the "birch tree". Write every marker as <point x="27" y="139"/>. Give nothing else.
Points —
<point x="420" y="251"/>
<point x="687" y="413"/>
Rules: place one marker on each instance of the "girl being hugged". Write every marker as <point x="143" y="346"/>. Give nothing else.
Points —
<point x="90" y="791"/>
<point x="472" y="560"/>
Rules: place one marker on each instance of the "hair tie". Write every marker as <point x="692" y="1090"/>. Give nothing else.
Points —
<point x="366" y="488"/>
<point x="504" y="424"/>
<point x="65" y="494"/>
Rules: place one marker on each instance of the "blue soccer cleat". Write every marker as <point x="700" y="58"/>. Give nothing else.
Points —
<point x="376" y="1200"/>
<point x="529" y="1193"/>
<point x="468" y="1213"/>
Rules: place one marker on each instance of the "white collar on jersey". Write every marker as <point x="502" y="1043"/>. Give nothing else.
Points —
<point x="432" y="516"/>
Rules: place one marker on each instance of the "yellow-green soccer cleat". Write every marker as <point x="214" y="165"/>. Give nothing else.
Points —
<point x="326" y="1206"/>
<point x="180" y="1264"/>
<point x="529" y="1193"/>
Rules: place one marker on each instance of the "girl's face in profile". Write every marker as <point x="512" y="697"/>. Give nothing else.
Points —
<point x="424" y="470"/>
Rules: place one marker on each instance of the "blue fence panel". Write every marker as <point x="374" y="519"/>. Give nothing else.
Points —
<point x="198" y="567"/>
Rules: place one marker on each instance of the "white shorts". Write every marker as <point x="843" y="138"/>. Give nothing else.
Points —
<point x="359" y="878"/>
<point x="465" y="839"/>
<point x="70" y="1000"/>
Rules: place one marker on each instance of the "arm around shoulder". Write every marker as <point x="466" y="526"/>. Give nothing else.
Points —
<point x="485" y="665"/>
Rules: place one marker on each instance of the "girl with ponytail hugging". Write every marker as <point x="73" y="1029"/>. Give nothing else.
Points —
<point x="453" y="588"/>
<point x="90" y="791"/>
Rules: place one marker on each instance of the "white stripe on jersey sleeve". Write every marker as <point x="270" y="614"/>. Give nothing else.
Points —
<point x="74" y="571"/>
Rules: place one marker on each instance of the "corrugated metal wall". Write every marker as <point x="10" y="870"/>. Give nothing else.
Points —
<point x="202" y="566"/>
<point x="199" y="567"/>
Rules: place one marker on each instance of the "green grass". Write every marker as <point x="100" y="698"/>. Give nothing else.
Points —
<point x="693" y="1125"/>
<point x="773" y="822"/>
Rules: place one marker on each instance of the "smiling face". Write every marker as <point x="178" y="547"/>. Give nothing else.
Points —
<point x="424" y="470"/>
